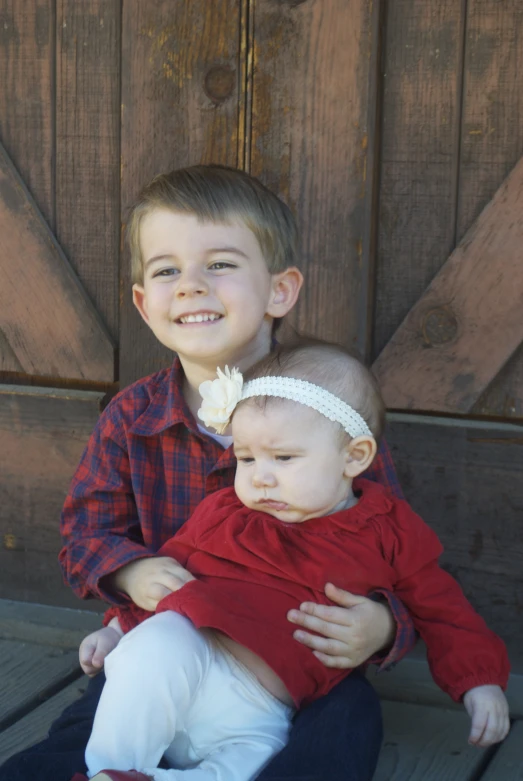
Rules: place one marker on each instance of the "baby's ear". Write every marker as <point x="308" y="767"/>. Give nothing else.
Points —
<point x="285" y="288"/>
<point x="359" y="455"/>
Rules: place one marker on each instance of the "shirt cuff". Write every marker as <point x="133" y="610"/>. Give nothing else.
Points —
<point x="406" y="635"/>
<point x="97" y="584"/>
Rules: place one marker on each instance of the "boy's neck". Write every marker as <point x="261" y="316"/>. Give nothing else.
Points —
<point x="196" y="373"/>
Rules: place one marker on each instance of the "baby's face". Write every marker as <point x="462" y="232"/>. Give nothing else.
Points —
<point x="291" y="461"/>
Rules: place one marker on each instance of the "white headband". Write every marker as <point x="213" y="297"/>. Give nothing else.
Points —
<point x="221" y="396"/>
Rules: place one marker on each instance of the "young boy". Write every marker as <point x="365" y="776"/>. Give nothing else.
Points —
<point x="211" y="680"/>
<point x="213" y="254"/>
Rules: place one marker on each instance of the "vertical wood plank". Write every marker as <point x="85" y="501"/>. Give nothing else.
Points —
<point x="313" y="136"/>
<point x="491" y="144"/>
<point x="26" y="94"/>
<point x="419" y="154"/>
<point x="88" y="146"/>
<point x="180" y="85"/>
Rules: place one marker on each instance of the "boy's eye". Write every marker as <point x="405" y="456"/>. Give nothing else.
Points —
<point x="219" y="265"/>
<point x="165" y="272"/>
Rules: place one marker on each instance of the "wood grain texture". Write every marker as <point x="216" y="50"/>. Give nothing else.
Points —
<point x="28" y="671"/>
<point x="27" y="35"/>
<point x="43" y="433"/>
<point x="88" y="147"/>
<point x="419" y="154"/>
<point x="34" y="727"/>
<point x="426" y="744"/>
<point x="469" y="321"/>
<point x="48" y="321"/>
<point x="313" y="142"/>
<point x="491" y="144"/>
<point x="507" y="765"/>
<point x="465" y="482"/>
<point x="174" y="114"/>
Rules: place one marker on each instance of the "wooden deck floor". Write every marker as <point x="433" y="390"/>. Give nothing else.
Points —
<point x="425" y="734"/>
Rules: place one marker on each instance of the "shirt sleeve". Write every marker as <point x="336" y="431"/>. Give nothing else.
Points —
<point x="382" y="471"/>
<point x="462" y="651"/>
<point x="99" y="524"/>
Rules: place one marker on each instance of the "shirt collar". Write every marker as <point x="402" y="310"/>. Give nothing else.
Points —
<point x="168" y="407"/>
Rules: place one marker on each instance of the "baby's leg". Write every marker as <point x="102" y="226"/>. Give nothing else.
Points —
<point x="152" y="677"/>
<point x="234" y="727"/>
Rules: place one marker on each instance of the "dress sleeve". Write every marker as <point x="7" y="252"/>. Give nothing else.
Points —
<point x="99" y="524"/>
<point x="462" y="651"/>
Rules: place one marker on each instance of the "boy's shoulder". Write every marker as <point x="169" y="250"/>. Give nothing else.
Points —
<point x="149" y="404"/>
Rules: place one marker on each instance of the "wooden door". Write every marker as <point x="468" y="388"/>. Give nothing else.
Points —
<point x="387" y="127"/>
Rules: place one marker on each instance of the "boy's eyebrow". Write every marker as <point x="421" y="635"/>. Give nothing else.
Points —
<point x="157" y="257"/>
<point x="235" y="250"/>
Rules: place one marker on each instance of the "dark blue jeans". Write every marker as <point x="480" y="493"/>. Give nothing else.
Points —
<point x="337" y="738"/>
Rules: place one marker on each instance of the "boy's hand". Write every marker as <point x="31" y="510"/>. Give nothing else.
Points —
<point x="488" y="709"/>
<point x="350" y="634"/>
<point x="147" y="581"/>
<point x="96" y="646"/>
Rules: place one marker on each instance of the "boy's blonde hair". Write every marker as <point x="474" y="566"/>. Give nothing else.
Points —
<point x="218" y="194"/>
<point x="331" y="367"/>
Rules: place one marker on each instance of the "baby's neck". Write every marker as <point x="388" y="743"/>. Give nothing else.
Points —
<point x="345" y="504"/>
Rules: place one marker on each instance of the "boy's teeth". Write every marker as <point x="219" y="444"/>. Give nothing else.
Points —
<point x="198" y="318"/>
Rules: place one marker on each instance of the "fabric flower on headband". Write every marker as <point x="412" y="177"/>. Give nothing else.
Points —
<point x="220" y="397"/>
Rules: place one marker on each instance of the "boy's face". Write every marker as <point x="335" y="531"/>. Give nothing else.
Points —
<point x="207" y="291"/>
<point x="291" y="461"/>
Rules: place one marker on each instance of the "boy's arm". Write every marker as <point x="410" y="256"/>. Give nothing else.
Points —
<point x="99" y="524"/>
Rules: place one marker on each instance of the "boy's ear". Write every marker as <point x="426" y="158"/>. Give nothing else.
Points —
<point x="285" y="288"/>
<point x="359" y="455"/>
<point x="139" y="301"/>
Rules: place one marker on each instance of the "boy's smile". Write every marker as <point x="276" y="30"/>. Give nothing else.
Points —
<point x="207" y="292"/>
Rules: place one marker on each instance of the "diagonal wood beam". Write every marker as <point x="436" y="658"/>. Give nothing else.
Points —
<point x="469" y="322"/>
<point x="49" y="326"/>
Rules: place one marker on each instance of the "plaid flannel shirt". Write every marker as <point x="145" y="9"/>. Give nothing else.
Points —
<point x="145" y="469"/>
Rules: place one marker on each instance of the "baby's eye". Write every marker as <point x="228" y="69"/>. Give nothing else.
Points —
<point x="245" y="460"/>
<point x="283" y="458"/>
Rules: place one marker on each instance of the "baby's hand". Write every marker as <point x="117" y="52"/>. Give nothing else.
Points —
<point x="488" y="709"/>
<point x="147" y="581"/>
<point x="96" y="646"/>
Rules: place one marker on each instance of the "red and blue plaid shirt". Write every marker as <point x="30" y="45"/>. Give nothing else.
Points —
<point x="145" y="469"/>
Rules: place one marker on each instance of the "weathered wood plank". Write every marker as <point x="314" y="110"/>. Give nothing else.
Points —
<point x="468" y="323"/>
<point x="47" y="319"/>
<point x="34" y="727"/>
<point x="313" y="142"/>
<point x="426" y="744"/>
<point x="491" y="144"/>
<point x="465" y="481"/>
<point x="43" y="433"/>
<point x="27" y="34"/>
<point x="88" y="147"/>
<point x="29" y="671"/>
<point x="419" y="153"/>
<point x="411" y="681"/>
<point x="46" y="624"/>
<point x="507" y="764"/>
<point x="180" y="82"/>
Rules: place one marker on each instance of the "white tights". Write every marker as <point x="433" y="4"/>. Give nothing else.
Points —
<point x="171" y="691"/>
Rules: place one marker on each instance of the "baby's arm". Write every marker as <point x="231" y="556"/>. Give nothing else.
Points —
<point x="96" y="646"/>
<point x="487" y="706"/>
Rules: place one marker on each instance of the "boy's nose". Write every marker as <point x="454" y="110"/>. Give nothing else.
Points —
<point x="191" y="285"/>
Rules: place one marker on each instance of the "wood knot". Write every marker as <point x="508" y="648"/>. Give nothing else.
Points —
<point x="9" y="542"/>
<point x="439" y="326"/>
<point x="219" y="83"/>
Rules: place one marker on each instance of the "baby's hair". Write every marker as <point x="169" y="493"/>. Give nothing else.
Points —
<point x="219" y="194"/>
<point x="330" y="366"/>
